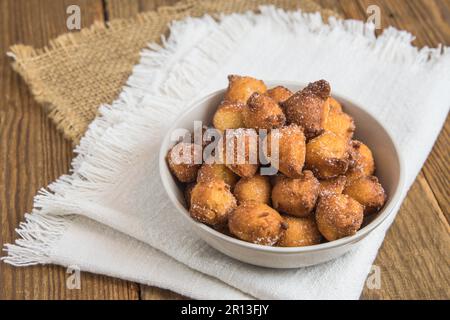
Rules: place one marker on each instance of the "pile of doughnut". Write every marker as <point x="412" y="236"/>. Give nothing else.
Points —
<point x="324" y="188"/>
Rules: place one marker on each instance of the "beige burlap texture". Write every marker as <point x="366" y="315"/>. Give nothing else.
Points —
<point x="79" y="71"/>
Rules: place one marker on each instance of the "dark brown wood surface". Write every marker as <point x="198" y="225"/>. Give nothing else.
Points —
<point x="414" y="259"/>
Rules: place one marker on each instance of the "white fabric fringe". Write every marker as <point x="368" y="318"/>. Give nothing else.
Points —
<point x="115" y="181"/>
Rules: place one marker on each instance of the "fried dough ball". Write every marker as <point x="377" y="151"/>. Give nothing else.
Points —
<point x="340" y="123"/>
<point x="212" y="202"/>
<point x="229" y="115"/>
<point x="361" y="161"/>
<point x="300" y="232"/>
<point x="338" y="216"/>
<point x="334" y="104"/>
<point x="291" y="150"/>
<point x="188" y="193"/>
<point x="327" y="155"/>
<point x="367" y="191"/>
<point x="256" y="222"/>
<point x="279" y="94"/>
<point x="240" y="152"/>
<point x="241" y="88"/>
<point x="333" y="185"/>
<point x="214" y="171"/>
<point x="262" y="112"/>
<point x="296" y="197"/>
<point x="309" y="108"/>
<point x="256" y="188"/>
<point x="182" y="160"/>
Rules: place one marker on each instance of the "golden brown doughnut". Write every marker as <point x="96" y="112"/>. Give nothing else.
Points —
<point x="213" y="171"/>
<point x="183" y="166"/>
<point x="327" y="155"/>
<point x="256" y="188"/>
<point x="340" y="123"/>
<point x="361" y="161"/>
<point x="242" y="146"/>
<point x="338" y="216"/>
<point x="257" y="223"/>
<point x="296" y="197"/>
<point x="300" y="232"/>
<point x="279" y="94"/>
<point x="367" y="191"/>
<point x="229" y="115"/>
<point x="309" y="108"/>
<point x="241" y="88"/>
<point x="291" y="149"/>
<point x="212" y="202"/>
<point x="333" y="185"/>
<point x="262" y="112"/>
<point x="334" y="105"/>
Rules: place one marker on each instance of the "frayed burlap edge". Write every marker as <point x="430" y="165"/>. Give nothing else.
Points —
<point x="78" y="72"/>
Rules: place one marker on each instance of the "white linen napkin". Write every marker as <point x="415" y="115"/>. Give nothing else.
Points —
<point x="115" y="180"/>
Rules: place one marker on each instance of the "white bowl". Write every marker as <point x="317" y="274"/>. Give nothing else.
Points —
<point x="389" y="170"/>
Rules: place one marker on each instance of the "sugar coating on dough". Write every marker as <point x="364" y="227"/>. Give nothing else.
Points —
<point x="327" y="155"/>
<point x="240" y="88"/>
<point x="262" y="112"/>
<point x="229" y="115"/>
<point x="361" y="162"/>
<point x="279" y="94"/>
<point x="291" y="150"/>
<point x="333" y="185"/>
<point x="300" y="232"/>
<point x="243" y="160"/>
<point x="183" y="166"/>
<point x="338" y="216"/>
<point x="309" y="107"/>
<point x="212" y="202"/>
<point x="367" y="191"/>
<point x="256" y="188"/>
<point x="296" y="197"/>
<point x="257" y="223"/>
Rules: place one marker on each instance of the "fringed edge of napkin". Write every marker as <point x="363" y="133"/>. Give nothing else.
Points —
<point x="110" y="140"/>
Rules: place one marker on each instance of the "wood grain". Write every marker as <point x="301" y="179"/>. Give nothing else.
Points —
<point x="413" y="259"/>
<point x="129" y="8"/>
<point x="437" y="172"/>
<point x="414" y="256"/>
<point x="33" y="153"/>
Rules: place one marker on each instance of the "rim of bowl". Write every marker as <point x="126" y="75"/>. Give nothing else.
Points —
<point x="382" y="215"/>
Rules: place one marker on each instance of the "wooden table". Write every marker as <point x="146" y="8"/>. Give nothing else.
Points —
<point x="414" y="259"/>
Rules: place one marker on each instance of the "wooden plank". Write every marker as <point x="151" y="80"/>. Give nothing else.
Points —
<point x="414" y="257"/>
<point x="118" y="9"/>
<point x="33" y="153"/>
<point x="433" y="16"/>
<point x="437" y="172"/>
<point x="154" y="293"/>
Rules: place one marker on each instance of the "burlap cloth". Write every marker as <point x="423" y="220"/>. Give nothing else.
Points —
<point x="79" y="71"/>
